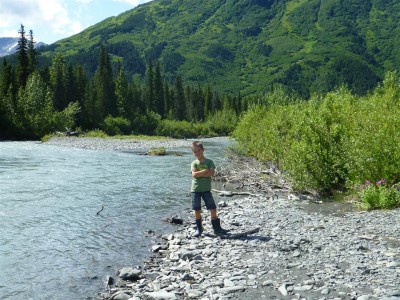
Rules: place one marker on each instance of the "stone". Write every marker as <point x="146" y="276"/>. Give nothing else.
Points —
<point x="130" y="274"/>
<point x="160" y="295"/>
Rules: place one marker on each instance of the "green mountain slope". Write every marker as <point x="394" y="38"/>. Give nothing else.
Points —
<point x="250" y="46"/>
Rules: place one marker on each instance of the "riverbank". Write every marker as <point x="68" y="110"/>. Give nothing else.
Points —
<point x="297" y="253"/>
<point x="294" y="255"/>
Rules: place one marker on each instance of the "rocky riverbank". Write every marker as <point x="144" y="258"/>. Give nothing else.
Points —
<point x="297" y="253"/>
<point x="294" y="255"/>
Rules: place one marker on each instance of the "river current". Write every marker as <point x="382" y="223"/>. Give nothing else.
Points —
<point x="53" y="244"/>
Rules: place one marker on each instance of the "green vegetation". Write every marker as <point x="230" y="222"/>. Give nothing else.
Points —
<point x="248" y="46"/>
<point x="157" y="151"/>
<point x="62" y="96"/>
<point x="330" y="143"/>
<point x="379" y="195"/>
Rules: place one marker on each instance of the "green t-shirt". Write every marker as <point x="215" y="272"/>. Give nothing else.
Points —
<point x="201" y="184"/>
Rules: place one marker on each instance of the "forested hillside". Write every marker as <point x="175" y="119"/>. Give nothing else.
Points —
<point x="251" y="46"/>
<point x="186" y="68"/>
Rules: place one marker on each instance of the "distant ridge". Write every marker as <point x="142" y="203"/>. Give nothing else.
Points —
<point x="8" y="45"/>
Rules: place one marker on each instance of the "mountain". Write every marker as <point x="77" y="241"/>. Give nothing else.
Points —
<point x="8" y="45"/>
<point x="250" y="46"/>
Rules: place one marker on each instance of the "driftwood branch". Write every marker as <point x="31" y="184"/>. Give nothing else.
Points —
<point x="230" y="194"/>
<point x="249" y="174"/>
<point x="102" y="207"/>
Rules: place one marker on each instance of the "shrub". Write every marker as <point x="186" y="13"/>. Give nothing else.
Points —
<point x="379" y="195"/>
<point x="157" y="151"/>
<point x="116" y="125"/>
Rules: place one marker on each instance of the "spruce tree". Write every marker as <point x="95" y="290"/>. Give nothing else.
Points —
<point x="57" y="79"/>
<point x="149" y="98"/>
<point x="104" y="85"/>
<point x="121" y="93"/>
<point x="180" y="103"/>
<point x="159" y="104"/>
<point x="32" y="60"/>
<point x="22" y="57"/>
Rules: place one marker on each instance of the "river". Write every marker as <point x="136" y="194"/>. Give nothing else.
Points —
<point x="53" y="244"/>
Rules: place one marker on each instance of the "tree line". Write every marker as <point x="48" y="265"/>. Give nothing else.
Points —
<point x="35" y="101"/>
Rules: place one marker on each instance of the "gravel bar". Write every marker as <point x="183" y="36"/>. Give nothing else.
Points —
<point x="117" y="144"/>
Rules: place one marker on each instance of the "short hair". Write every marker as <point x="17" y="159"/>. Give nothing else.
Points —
<point x="197" y="144"/>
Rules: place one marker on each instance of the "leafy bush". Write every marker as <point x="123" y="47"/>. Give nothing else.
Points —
<point x="329" y="143"/>
<point x="222" y="122"/>
<point x="116" y="125"/>
<point x="179" y="129"/>
<point x="379" y="195"/>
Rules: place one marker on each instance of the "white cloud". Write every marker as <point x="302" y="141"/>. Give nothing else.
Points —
<point x="51" y="16"/>
<point x="52" y="20"/>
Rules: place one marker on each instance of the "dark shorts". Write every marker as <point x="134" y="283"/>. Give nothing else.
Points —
<point x="207" y="197"/>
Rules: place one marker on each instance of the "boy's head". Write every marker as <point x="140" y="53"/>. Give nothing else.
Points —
<point x="198" y="149"/>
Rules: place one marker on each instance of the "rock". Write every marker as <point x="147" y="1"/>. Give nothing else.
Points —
<point x="393" y="265"/>
<point x="364" y="297"/>
<point x="282" y="290"/>
<point x="325" y="291"/>
<point x="222" y="204"/>
<point x="160" y="295"/>
<point x="130" y="274"/>
<point x="232" y="289"/>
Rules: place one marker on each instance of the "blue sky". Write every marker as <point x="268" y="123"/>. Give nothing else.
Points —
<point x="52" y="20"/>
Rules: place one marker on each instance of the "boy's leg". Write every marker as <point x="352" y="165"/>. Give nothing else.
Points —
<point x="196" y="206"/>
<point x="197" y="214"/>
<point x="213" y="213"/>
<point x="215" y="221"/>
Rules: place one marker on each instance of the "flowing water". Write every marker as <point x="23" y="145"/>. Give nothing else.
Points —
<point x="53" y="244"/>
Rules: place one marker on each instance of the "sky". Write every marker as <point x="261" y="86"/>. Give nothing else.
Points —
<point x="53" y="20"/>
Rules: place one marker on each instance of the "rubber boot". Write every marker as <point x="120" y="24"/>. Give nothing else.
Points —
<point x="216" y="224"/>
<point x="199" y="225"/>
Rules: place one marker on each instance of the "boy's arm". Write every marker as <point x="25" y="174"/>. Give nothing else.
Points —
<point x="203" y="173"/>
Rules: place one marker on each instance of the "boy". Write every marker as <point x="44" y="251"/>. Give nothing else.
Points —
<point x="202" y="171"/>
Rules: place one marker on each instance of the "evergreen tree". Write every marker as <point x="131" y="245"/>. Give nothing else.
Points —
<point x="199" y="103"/>
<point x="207" y="101"/>
<point x="190" y="113"/>
<point x="180" y="103"/>
<point x="32" y="60"/>
<point x="57" y="80"/>
<point x="7" y="101"/>
<point x="6" y="78"/>
<point x="121" y="93"/>
<point x="104" y="85"/>
<point x="167" y="100"/>
<point x="92" y="108"/>
<point x="149" y="98"/>
<point x="22" y="57"/>
<point x="81" y="88"/>
<point x="159" y="104"/>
